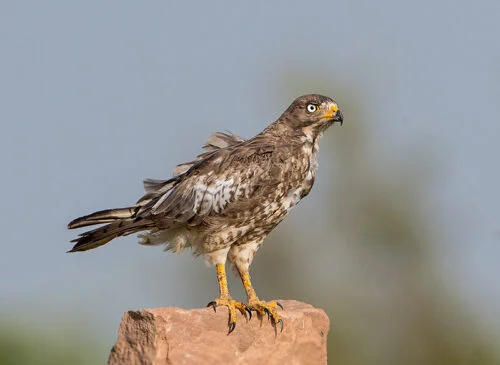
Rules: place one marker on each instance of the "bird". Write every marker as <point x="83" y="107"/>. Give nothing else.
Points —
<point x="226" y="201"/>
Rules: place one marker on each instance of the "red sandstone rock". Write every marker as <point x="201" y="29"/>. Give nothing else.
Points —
<point x="199" y="336"/>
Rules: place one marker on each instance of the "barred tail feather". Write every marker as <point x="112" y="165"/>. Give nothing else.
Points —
<point x="103" y="216"/>
<point x="121" y="222"/>
<point x="102" y="235"/>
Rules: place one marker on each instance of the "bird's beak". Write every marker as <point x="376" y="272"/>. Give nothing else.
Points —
<point x="339" y="117"/>
<point x="334" y="114"/>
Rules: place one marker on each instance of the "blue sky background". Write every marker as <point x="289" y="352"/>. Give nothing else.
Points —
<point x="97" y="95"/>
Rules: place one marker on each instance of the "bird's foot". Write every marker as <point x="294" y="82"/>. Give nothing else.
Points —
<point x="232" y="305"/>
<point x="269" y="308"/>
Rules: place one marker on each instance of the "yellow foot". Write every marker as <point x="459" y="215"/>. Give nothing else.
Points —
<point x="269" y="308"/>
<point x="231" y="305"/>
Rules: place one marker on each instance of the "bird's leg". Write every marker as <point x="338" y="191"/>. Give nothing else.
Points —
<point x="254" y="303"/>
<point x="226" y="300"/>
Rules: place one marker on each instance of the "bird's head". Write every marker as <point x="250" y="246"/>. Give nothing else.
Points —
<point x="313" y="110"/>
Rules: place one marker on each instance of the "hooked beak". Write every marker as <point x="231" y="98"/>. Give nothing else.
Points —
<point x="338" y="117"/>
<point x="334" y="114"/>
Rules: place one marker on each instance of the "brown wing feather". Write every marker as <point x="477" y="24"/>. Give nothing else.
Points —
<point x="216" y="141"/>
<point x="125" y="221"/>
<point x="232" y="171"/>
<point x="213" y="184"/>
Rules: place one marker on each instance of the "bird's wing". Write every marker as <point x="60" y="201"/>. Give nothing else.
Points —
<point x="157" y="189"/>
<point x="217" y="141"/>
<point x="211" y="185"/>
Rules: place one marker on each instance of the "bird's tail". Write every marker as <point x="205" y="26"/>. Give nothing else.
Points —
<point x="121" y="222"/>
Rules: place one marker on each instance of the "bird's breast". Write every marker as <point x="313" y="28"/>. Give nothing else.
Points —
<point x="301" y="176"/>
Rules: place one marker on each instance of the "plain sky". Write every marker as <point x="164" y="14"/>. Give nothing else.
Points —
<point x="95" y="96"/>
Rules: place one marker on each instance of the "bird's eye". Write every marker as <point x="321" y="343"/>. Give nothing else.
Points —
<point x="311" y="108"/>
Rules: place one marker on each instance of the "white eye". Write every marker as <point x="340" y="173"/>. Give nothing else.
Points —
<point x="311" y="108"/>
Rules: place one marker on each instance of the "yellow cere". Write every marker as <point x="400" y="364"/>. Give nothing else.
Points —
<point x="330" y="113"/>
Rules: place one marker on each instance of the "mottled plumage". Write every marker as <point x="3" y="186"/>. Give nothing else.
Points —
<point x="225" y="202"/>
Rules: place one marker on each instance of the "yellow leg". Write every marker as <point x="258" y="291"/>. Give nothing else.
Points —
<point x="222" y="279"/>
<point x="254" y="303"/>
<point x="226" y="300"/>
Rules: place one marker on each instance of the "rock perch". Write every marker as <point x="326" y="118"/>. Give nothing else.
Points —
<point x="199" y="336"/>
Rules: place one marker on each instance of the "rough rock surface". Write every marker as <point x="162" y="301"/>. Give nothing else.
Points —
<point x="199" y="336"/>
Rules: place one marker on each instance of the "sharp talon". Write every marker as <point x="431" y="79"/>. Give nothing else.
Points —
<point x="214" y="305"/>
<point x="268" y="313"/>
<point x="232" y="326"/>
<point x="249" y="311"/>
<point x="279" y="305"/>
<point x="280" y="321"/>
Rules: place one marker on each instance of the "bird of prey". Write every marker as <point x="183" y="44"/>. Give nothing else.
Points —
<point x="225" y="202"/>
